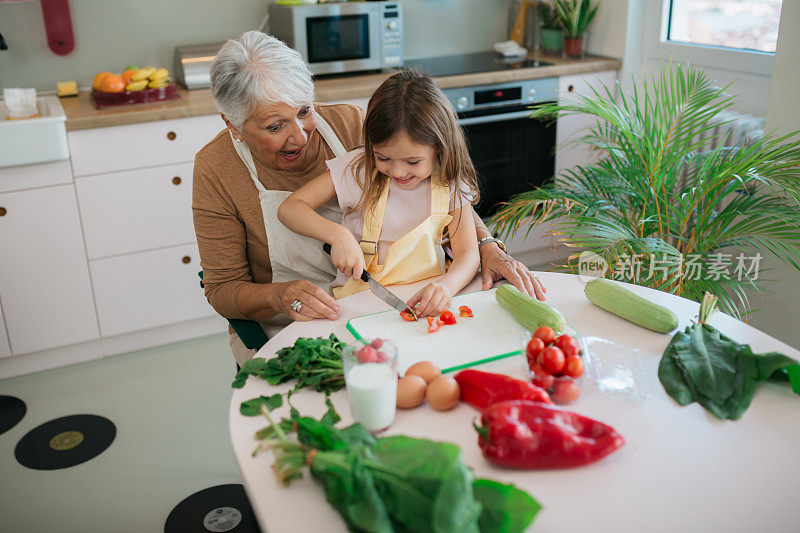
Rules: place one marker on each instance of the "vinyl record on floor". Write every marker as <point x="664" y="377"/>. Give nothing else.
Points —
<point x="65" y="442"/>
<point x="216" y="509"/>
<point x="12" y="410"/>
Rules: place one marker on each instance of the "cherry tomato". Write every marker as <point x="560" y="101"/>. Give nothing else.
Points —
<point x="535" y="347"/>
<point x="377" y="343"/>
<point x="367" y="354"/>
<point x="406" y="315"/>
<point x="447" y="317"/>
<point x="571" y="350"/>
<point x="546" y="334"/>
<point x="553" y="359"/>
<point x="573" y="366"/>
<point x="565" y="340"/>
<point x="465" y="311"/>
<point x="542" y="378"/>
<point x="433" y="324"/>
<point x="566" y="391"/>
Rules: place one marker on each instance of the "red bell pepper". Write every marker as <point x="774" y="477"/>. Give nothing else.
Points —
<point x="482" y="389"/>
<point x="433" y="324"/>
<point x="523" y="434"/>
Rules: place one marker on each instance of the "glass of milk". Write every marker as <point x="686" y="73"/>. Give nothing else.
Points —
<point x="371" y="378"/>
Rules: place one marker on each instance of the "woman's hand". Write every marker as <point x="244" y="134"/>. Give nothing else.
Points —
<point x="497" y="265"/>
<point x="347" y="255"/>
<point x="314" y="302"/>
<point x="431" y="300"/>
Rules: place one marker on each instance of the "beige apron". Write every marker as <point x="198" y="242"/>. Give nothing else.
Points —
<point x="415" y="256"/>
<point x="293" y="256"/>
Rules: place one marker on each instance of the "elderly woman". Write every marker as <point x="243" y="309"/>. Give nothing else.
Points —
<point x="276" y="140"/>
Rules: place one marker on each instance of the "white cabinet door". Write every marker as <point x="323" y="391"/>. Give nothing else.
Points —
<point x="140" y="145"/>
<point x="148" y="289"/>
<point x="44" y="278"/>
<point x="573" y="127"/>
<point x="5" y="350"/>
<point x="137" y="210"/>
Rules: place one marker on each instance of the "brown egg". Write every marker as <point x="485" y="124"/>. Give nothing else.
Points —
<point x="443" y="393"/>
<point x="410" y="391"/>
<point x="426" y="370"/>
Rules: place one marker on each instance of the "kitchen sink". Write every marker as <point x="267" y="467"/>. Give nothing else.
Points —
<point x="34" y="140"/>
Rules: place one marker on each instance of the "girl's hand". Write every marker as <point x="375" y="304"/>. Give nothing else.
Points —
<point x="431" y="300"/>
<point x="347" y="255"/>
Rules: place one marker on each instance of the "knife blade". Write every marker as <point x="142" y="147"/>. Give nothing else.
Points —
<point x="384" y="294"/>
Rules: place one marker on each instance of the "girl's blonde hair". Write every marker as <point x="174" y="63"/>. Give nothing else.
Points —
<point x="411" y="102"/>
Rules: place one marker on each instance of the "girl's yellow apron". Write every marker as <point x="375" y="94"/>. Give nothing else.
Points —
<point x="417" y="255"/>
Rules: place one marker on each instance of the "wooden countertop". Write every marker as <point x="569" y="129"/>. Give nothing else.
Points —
<point x="81" y="113"/>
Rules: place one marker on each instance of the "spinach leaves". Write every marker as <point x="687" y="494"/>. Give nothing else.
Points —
<point x="314" y="363"/>
<point x="702" y="365"/>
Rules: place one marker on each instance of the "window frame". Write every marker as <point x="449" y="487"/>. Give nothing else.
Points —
<point x="656" y="47"/>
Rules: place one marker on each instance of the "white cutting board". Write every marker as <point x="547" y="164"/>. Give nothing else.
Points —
<point x="491" y="334"/>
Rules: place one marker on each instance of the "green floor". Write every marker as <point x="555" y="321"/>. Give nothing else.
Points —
<point x="170" y="407"/>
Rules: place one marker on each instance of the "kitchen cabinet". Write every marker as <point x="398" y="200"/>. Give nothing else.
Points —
<point x="136" y="210"/>
<point x="572" y="127"/>
<point x="44" y="278"/>
<point x="146" y="290"/>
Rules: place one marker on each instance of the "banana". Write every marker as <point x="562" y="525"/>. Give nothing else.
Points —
<point x="136" y="85"/>
<point x="158" y="74"/>
<point x="163" y="82"/>
<point x="143" y="73"/>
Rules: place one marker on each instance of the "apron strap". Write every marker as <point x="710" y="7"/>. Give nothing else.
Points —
<point x="329" y="136"/>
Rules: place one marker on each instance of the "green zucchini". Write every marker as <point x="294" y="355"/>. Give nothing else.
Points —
<point x="623" y="302"/>
<point x="528" y="311"/>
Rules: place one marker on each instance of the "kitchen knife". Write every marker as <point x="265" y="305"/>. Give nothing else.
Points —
<point x="384" y="294"/>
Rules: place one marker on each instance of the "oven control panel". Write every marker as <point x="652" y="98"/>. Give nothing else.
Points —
<point x="465" y="99"/>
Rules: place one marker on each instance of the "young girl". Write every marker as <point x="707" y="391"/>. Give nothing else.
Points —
<point x="398" y="194"/>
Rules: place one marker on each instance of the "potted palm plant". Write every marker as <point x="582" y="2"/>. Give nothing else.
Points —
<point x="552" y="36"/>
<point x="575" y="16"/>
<point x="661" y="208"/>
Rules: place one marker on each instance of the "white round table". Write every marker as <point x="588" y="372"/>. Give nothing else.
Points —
<point x="681" y="469"/>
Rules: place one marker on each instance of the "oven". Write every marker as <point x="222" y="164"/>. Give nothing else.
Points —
<point x="512" y="153"/>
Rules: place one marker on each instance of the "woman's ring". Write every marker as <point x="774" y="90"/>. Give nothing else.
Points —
<point x="297" y="305"/>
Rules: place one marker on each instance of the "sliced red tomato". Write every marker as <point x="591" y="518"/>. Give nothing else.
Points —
<point x="447" y="318"/>
<point x="465" y="311"/>
<point x="406" y="315"/>
<point x="433" y="324"/>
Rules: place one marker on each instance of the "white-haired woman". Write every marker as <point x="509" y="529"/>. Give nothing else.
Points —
<point x="277" y="139"/>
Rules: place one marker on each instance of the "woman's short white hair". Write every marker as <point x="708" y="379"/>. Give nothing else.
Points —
<point x="258" y="68"/>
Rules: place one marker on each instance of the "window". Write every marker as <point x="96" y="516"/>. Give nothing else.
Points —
<point x="741" y="24"/>
<point x="733" y="35"/>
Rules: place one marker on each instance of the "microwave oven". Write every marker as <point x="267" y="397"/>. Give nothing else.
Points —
<point x="342" y="36"/>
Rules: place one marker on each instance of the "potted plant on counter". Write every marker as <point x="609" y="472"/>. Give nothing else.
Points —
<point x="574" y="17"/>
<point x="552" y="35"/>
<point x="662" y="208"/>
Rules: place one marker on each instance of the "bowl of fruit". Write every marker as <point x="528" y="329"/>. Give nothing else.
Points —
<point x="133" y="86"/>
<point x="556" y="362"/>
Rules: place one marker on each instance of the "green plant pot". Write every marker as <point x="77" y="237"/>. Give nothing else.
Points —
<point x="573" y="46"/>
<point x="552" y="40"/>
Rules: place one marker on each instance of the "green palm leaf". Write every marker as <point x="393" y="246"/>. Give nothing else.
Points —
<point x="662" y="195"/>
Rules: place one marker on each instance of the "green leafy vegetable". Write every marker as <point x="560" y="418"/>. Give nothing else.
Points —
<point x="253" y="407"/>
<point x="395" y="483"/>
<point x="704" y="366"/>
<point x="313" y="363"/>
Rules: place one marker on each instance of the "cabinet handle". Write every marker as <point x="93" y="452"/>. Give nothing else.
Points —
<point x="171" y="135"/>
<point x="176" y="180"/>
<point x="570" y="88"/>
<point x="3" y="211"/>
<point x="186" y="259"/>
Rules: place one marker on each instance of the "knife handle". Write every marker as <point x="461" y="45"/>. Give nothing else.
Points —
<point x="327" y="249"/>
